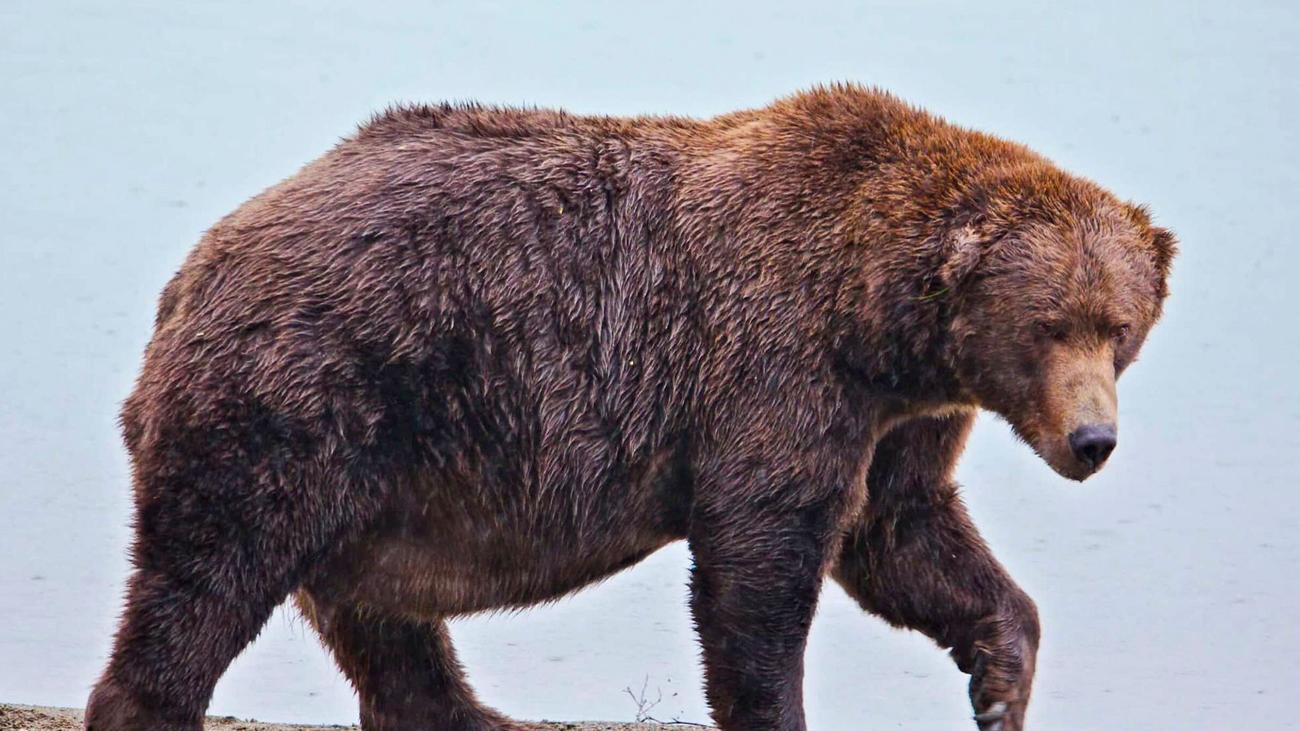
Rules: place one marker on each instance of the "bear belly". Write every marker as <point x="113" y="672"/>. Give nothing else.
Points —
<point x="448" y="573"/>
<point x="452" y="548"/>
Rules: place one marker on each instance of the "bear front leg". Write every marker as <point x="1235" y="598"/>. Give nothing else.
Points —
<point x="761" y="542"/>
<point x="915" y="559"/>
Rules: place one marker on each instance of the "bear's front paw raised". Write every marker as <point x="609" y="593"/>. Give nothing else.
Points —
<point x="997" y="717"/>
<point x="999" y="696"/>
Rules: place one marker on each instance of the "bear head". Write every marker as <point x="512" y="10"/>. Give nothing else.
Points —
<point x="1054" y="293"/>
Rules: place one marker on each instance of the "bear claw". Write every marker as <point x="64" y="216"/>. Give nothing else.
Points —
<point x="992" y="719"/>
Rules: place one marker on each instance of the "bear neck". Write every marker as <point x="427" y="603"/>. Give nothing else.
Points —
<point x="900" y="351"/>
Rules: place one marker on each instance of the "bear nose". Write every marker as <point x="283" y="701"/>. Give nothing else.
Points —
<point x="1092" y="444"/>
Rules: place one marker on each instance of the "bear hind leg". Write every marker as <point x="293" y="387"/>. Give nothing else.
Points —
<point x="228" y="523"/>
<point x="174" y="642"/>
<point x="404" y="670"/>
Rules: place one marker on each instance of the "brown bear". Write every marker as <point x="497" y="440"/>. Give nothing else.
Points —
<point x="477" y="357"/>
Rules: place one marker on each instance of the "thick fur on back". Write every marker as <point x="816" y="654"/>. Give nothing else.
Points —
<point x="537" y="318"/>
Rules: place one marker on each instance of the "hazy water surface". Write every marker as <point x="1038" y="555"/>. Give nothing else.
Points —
<point x="1168" y="584"/>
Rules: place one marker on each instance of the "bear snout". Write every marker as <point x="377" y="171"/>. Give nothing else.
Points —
<point x="1092" y="444"/>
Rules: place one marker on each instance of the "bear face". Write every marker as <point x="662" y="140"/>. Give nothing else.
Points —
<point x="1053" y="309"/>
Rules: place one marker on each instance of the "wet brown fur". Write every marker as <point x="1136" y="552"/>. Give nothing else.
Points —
<point x="478" y="357"/>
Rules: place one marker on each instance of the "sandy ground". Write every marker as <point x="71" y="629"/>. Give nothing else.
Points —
<point x="36" y="718"/>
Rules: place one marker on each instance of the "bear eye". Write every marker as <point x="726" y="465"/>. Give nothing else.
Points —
<point x="1119" y="333"/>
<point x="1051" y="330"/>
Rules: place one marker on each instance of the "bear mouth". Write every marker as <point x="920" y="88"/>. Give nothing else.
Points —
<point x="1055" y="450"/>
<point x="1061" y="457"/>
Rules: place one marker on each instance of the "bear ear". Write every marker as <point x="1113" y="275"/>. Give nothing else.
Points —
<point x="1164" y="248"/>
<point x="961" y="250"/>
<point x="1164" y="245"/>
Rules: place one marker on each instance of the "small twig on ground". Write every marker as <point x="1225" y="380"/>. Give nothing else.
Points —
<point x="677" y="722"/>
<point x="644" y="705"/>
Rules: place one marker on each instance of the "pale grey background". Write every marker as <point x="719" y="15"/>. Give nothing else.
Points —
<point x="1168" y="584"/>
